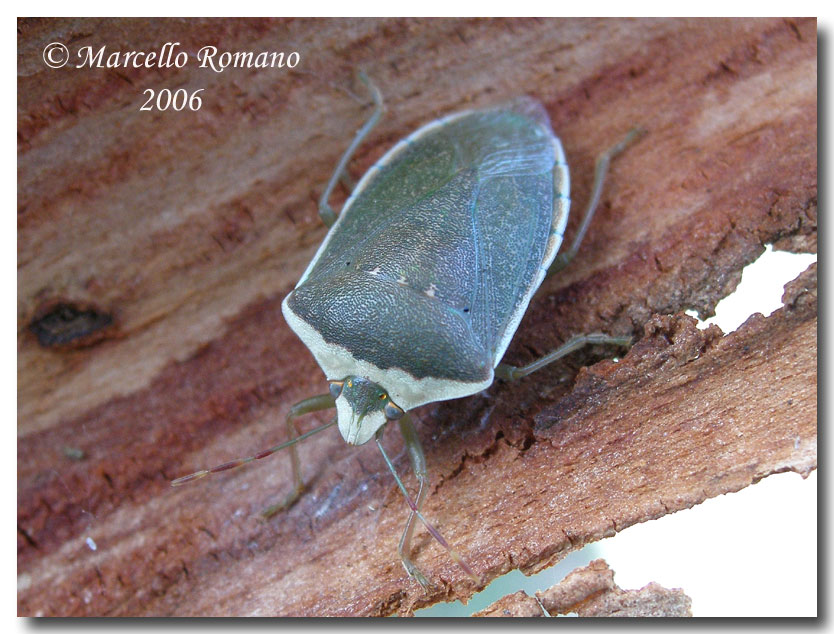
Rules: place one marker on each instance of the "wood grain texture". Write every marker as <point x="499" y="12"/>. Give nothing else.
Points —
<point x="186" y="230"/>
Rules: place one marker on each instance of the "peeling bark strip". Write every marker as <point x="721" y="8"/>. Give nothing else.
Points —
<point x="191" y="227"/>
<point x="591" y="591"/>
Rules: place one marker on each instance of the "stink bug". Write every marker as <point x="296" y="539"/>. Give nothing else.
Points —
<point x="424" y="276"/>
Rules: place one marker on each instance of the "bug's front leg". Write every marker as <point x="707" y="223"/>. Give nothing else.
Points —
<point x="418" y="461"/>
<point x="418" y="464"/>
<point x="307" y="406"/>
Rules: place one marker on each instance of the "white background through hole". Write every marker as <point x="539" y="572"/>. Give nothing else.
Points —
<point x="768" y="569"/>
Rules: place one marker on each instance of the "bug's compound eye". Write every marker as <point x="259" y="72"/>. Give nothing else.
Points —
<point x="392" y="412"/>
<point x="336" y="388"/>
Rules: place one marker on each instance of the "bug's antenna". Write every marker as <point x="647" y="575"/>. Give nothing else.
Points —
<point x="242" y="461"/>
<point x="431" y="529"/>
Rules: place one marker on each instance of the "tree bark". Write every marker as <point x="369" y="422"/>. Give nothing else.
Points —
<point x="154" y="249"/>
<point x="591" y="591"/>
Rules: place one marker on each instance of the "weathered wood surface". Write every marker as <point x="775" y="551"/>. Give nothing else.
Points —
<point x="187" y="229"/>
<point x="591" y="591"/>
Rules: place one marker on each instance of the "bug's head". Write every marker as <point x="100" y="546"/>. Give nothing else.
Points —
<point x="363" y="407"/>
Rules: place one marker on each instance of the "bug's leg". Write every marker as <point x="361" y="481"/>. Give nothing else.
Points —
<point x="328" y="215"/>
<point x="509" y="372"/>
<point x="313" y="404"/>
<point x="601" y="169"/>
<point x="415" y="511"/>
<point x="347" y="180"/>
<point x="307" y="406"/>
<point x="418" y="464"/>
<point x="233" y="464"/>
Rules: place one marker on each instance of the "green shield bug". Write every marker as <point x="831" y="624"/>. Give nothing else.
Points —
<point x="425" y="274"/>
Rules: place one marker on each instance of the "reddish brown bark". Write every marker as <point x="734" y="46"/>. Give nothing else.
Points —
<point x="172" y="238"/>
<point x="591" y="591"/>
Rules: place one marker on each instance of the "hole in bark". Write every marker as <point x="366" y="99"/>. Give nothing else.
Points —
<point x="66" y="324"/>
<point x="512" y="582"/>
<point x="760" y="290"/>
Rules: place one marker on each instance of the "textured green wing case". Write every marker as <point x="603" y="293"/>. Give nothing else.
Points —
<point x="440" y="246"/>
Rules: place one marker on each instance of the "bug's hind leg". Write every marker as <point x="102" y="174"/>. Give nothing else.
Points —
<point x="512" y="373"/>
<point x="307" y="406"/>
<point x="603" y="161"/>
<point x="328" y="215"/>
